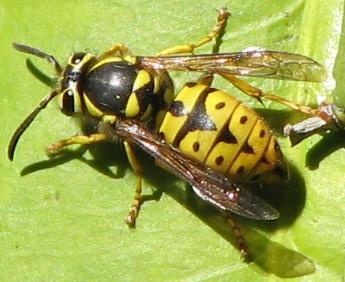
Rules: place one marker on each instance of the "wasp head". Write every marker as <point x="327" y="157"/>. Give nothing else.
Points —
<point x="72" y="76"/>
<point x="68" y="92"/>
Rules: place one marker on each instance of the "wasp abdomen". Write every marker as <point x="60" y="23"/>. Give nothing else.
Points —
<point x="217" y="129"/>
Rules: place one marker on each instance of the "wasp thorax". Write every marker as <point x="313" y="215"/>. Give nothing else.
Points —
<point x="114" y="86"/>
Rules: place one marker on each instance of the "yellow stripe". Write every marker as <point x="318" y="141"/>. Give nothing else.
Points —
<point x="130" y="59"/>
<point x="132" y="107"/>
<point x="109" y="119"/>
<point x="156" y="83"/>
<point x="171" y="125"/>
<point x="190" y="95"/>
<point x="92" y="109"/>
<point x="143" y="78"/>
<point x="107" y="60"/>
<point x="242" y="131"/>
<point x="87" y="57"/>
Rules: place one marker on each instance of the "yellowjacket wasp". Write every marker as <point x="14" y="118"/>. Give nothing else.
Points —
<point x="203" y="135"/>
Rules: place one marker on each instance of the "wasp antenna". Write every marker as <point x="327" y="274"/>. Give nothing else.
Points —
<point x="47" y="80"/>
<point x="24" y="125"/>
<point x="39" y="53"/>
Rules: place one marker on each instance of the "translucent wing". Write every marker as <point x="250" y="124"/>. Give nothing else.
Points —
<point x="209" y="185"/>
<point x="267" y="64"/>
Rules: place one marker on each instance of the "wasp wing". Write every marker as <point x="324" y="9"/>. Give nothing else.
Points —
<point x="209" y="185"/>
<point x="267" y="64"/>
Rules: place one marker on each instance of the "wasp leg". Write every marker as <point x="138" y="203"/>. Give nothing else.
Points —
<point x="77" y="139"/>
<point x="218" y="29"/>
<point x="207" y="78"/>
<point x="240" y="241"/>
<point x="258" y="94"/>
<point x="116" y="50"/>
<point x="138" y="199"/>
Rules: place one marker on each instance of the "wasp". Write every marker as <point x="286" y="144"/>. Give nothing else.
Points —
<point x="203" y="135"/>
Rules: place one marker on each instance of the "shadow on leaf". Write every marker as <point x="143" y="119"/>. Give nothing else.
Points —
<point x="266" y="255"/>
<point x="330" y="143"/>
<point x="101" y="160"/>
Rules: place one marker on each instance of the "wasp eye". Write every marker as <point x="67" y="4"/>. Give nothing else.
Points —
<point x="77" y="58"/>
<point x="68" y="103"/>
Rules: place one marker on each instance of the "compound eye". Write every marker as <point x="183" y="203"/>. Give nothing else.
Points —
<point x="77" y="58"/>
<point x="67" y="106"/>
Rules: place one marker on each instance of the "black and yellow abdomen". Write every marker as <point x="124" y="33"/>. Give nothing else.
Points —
<point x="215" y="128"/>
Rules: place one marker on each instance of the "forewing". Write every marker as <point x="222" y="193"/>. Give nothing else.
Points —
<point x="210" y="185"/>
<point x="266" y="64"/>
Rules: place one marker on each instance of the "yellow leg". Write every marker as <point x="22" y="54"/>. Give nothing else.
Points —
<point x="189" y="48"/>
<point x="258" y="94"/>
<point x="77" y="139"/>
<point x="206" y="79"/>
<point x="138" y="200"/>
<point x="118" y="50"/>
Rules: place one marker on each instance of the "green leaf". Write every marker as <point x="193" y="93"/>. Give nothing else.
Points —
<point x="62" y="219"/>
